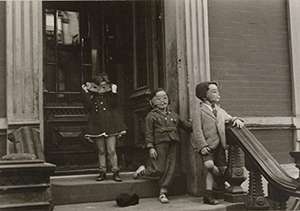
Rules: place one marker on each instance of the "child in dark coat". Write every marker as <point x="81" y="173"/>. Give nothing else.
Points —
<point x="162" y="141"/>
<point x="209" y="138"/>
<point x="105" y="124"/>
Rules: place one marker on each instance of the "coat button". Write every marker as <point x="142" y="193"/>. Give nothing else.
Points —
<point x="104" y="109"/>
<point x="101" y="102"/>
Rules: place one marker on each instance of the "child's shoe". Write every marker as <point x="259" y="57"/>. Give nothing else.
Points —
<point x="101" y="177"/>
<point x="163" y="198"/>
<point x="116" y="177"/>
<point x="139" y="172"/>
<point x="210" y="200"/>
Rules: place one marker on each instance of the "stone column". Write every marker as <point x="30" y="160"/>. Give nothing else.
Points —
<point x="187" y="61"/>
<point x="24" y="54"/>
<point x="294" y="24"/>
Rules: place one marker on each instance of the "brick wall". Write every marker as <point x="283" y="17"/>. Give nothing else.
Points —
<point x="278" y="142"/>
<point x="2" y="61"/>
<point x="249" y="56"/>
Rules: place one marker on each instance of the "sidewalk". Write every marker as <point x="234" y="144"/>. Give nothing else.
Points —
<point x="177" y="203"/>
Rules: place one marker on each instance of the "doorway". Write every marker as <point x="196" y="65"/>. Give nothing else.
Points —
<point x="81" y="39"/>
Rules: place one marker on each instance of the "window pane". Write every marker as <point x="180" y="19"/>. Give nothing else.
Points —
<point x="68" y="28"/>
<point x="69" y="71"/>
<point x="50" y="78"/>
<point x="50" y="27"/>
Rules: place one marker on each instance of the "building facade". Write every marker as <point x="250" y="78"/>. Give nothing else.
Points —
<point x="49" y="48"/>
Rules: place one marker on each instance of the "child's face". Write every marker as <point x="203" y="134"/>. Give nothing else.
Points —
<point x="161" y="100"/>
<point x="213" y="95"/>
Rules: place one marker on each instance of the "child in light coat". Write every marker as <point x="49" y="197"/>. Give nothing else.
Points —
<point x="209" y="138"/>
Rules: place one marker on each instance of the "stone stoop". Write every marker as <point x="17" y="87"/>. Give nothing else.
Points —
<point x="85" y="188"/>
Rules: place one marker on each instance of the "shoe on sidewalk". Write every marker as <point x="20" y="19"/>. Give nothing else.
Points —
<point x="101" y="177"/>
<point x="116" y="177"/>
<point x="139" y="172"/>
<point x="210" y="200"/>
<point x="163" y="198"/>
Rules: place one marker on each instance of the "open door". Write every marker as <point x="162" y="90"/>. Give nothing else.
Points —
<point x="122" y="38"/>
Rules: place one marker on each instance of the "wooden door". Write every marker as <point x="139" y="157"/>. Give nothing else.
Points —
<point x="67" y="64"/>
<point x="145" y="74"/>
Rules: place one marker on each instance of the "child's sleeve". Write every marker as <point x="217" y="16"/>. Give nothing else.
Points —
<point x="149" y="131"/>
<point x="198" y="141"/>
<point x="187" y="126"/>
<point x="229" y="118"/>
<point x="87" y="98"/>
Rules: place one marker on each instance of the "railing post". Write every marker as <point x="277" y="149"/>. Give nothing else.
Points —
<point x="235" y="173"/>
<point x="255" y="199"/>
<point x="277" y="198"/>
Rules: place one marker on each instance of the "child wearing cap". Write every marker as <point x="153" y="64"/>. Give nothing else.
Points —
<point x="209" y="138"/>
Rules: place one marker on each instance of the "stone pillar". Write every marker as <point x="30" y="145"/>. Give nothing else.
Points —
<point x="294" y="26"/>
<point x="187" y="61"/>
<point x="24" y="54"/>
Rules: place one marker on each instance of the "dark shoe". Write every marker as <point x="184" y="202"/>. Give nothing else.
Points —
<point x="101" y="177"/>
<point x="210" y="200"/>
<point x="117" y="177"/>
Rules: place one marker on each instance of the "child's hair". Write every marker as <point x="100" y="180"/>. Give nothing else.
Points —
<point x="202" y="88"/>
<point x="100" y="77"/>
<point x="153" y="94"/>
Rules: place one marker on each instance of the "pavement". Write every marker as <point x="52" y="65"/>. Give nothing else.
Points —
<point x="177" y="203"/>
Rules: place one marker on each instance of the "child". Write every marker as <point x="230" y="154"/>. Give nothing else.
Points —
<point x="209" y="138"/>
<point x="104" y="122"/>
<point x="162" y="141"/>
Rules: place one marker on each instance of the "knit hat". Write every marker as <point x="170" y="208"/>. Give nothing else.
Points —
<point x="201" y="89"/>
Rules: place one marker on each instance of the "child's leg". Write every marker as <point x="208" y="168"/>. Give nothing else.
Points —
<point x="100" y="142"/>
<point x="169" y="166"/>
<point x="212" y="171"/>
<point x="156" y="167"/>
<point x="112" y="155"/>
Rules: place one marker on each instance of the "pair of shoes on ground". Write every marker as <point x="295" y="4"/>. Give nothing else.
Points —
<point x="139" y="172"/>
<point x="163" y="198"/>
<point x="102" y="176"/>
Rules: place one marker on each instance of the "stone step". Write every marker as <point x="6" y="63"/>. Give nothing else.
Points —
<point x="84" y="188"/>
<point x="30" y="206"/>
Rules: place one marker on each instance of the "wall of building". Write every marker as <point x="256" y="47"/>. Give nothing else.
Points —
<point x="2" y="61"/>
<point x="249" y="56"/>
<point x="2" y="80"/>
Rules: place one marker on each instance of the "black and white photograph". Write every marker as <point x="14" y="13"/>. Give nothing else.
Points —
<point x="149" y="105"/>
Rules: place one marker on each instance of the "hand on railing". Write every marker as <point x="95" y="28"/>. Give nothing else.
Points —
<point x="236" y="122"/>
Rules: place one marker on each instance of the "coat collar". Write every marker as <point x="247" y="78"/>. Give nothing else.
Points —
<point x="207" y="110"/>
<point x="157" y="110"/>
